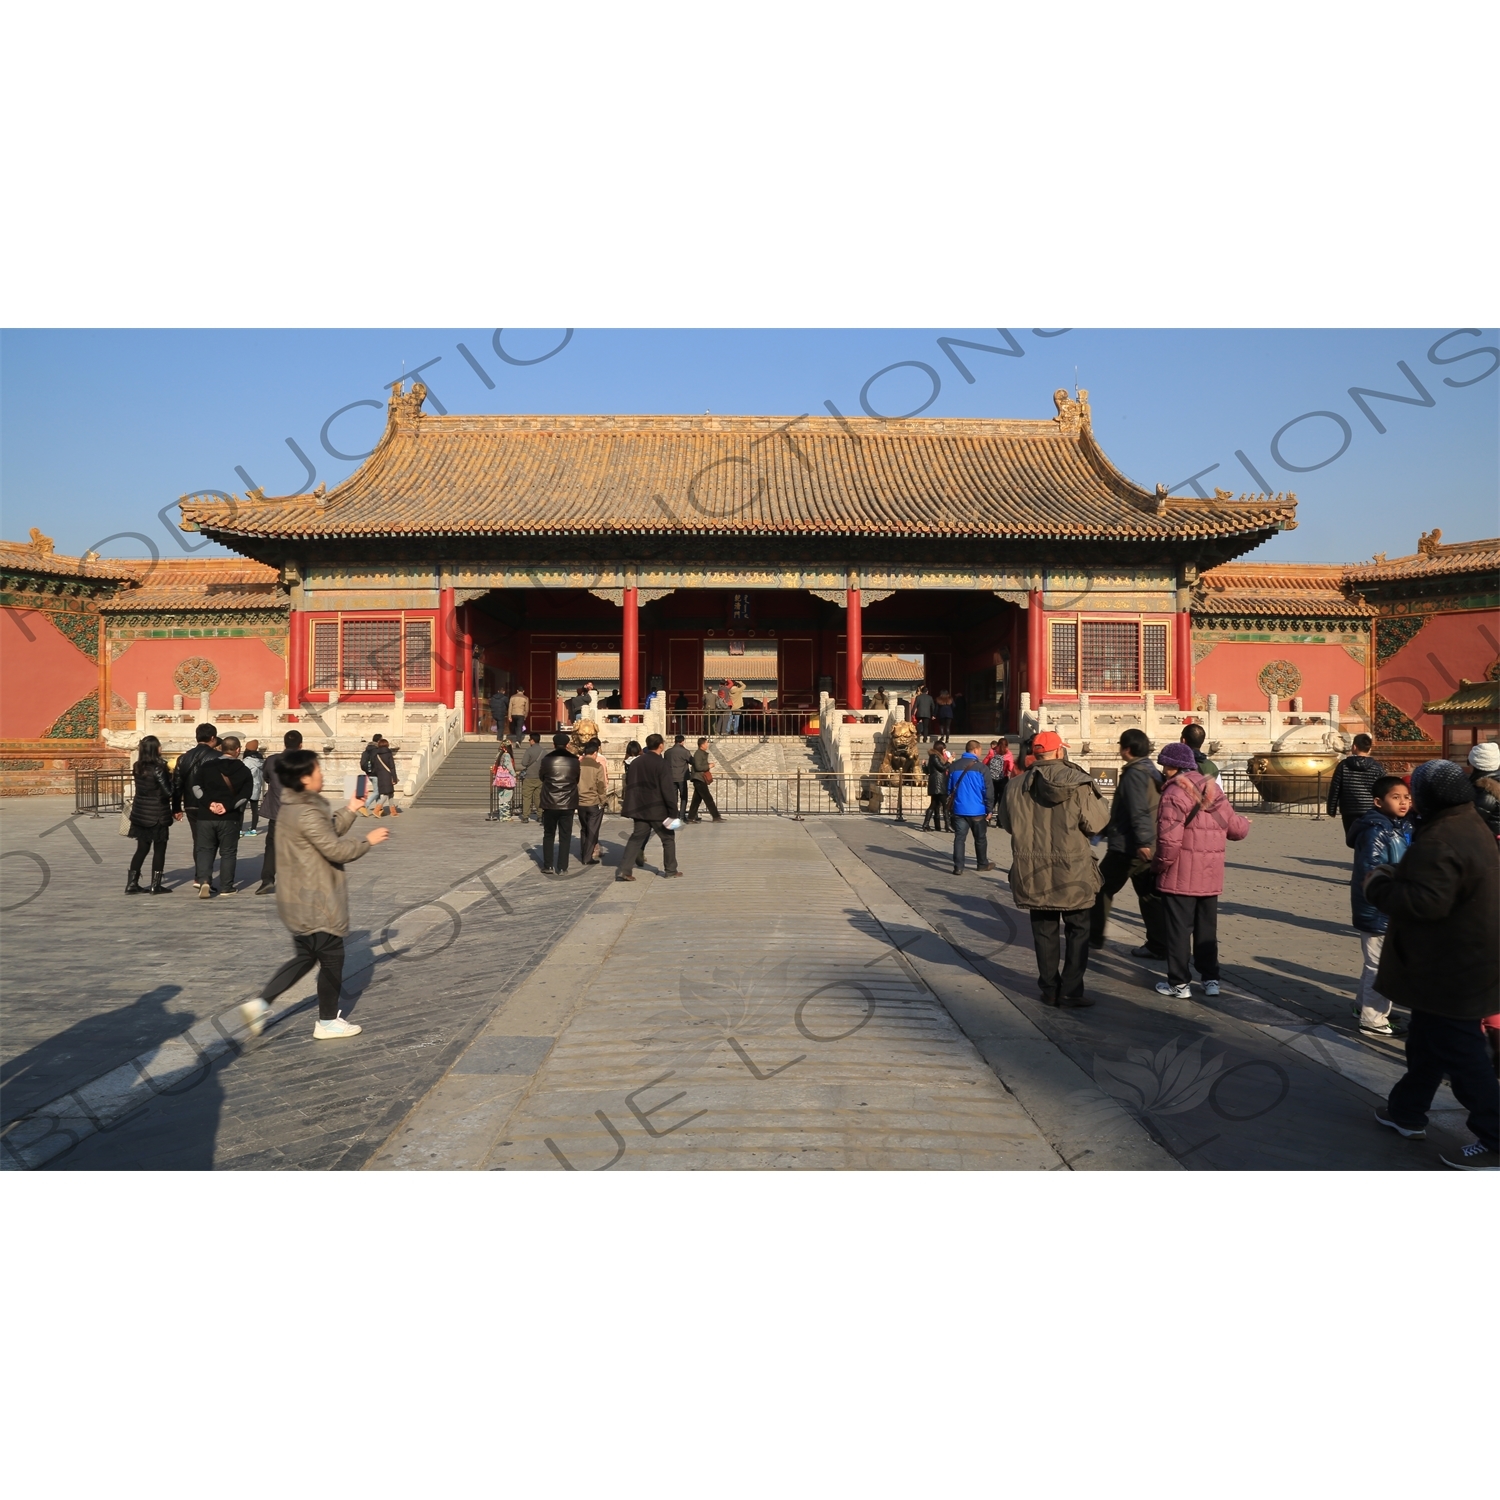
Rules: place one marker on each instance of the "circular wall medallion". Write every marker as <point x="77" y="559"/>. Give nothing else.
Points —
<point x="196" y="675"/>
<point x="1279" y="679"/>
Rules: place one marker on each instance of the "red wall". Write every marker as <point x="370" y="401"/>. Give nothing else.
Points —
<point x="1231" y="669"/>
<point x="42" y="674"/>
<point x="248" y="670"/>
<point x="1430" y="665"/>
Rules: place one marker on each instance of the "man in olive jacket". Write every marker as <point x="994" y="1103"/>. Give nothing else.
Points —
<point x="1050" y="814"/>
<point x="312" y="892"/>
<point x="1441" y="958"/>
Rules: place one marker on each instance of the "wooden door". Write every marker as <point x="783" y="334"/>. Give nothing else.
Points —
<point x="543" y="691"/>
<point x="794" y="668"/>
<point x="685" y="670"/>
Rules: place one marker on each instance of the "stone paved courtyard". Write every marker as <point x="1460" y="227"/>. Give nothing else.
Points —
<point x="814" y="994"/>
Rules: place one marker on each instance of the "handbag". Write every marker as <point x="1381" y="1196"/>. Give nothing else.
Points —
<point x="707" y="778"/>
<point x="125" y="817"/>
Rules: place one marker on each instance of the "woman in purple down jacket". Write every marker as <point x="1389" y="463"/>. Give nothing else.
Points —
<point x="1193" y="823"/>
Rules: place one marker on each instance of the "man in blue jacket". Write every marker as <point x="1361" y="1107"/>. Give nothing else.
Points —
<point x="970" y="802"/>
<point x="1379" y="838"/>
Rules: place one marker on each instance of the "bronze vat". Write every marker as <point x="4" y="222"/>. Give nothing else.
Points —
<point x="1291" y="776"/>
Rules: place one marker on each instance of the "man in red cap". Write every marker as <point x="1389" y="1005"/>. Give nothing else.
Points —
<point x="1051" y="813"/>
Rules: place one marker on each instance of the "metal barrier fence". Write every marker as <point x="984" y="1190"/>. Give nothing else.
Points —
<point x="1244" y="796"/>
<point x="801" y="794"/>
<point x="752" y="723"/>
<point x="98" y="792"/>
<point x="816" y="793"/>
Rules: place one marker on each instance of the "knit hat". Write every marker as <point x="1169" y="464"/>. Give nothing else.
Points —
<point x="1437" y="784"/>
<point x="1485" y="758"/>
<point x="1178" y="757"/>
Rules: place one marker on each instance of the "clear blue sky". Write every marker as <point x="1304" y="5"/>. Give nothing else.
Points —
<point x="99" y="430"/>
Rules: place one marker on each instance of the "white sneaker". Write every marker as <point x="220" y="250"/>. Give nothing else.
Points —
<point x="254" y="1013"/>
<point x="1380" y="1027"/>
<point x="1210" y="986"/>
<point x="1176" y="991"/>
<point x="338" y="1026"/>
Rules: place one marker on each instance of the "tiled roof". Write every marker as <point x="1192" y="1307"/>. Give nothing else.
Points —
<point x="179" y="583"/>
<point x="1433" y="558"/>
<point x="1308" y="590"/>
<point x="1469" y="697"/>
<point x="674" y="475"/>
<point x="25" y="557"/>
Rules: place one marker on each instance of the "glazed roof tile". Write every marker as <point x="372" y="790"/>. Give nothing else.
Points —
<point x="179" y="583"/>
<point x="1278" y="589"/>
<point x="718" y="475"/>
<point x="1432" y="559"/>
<point x="27" y="557"/>
<point x="1468" y="697"/>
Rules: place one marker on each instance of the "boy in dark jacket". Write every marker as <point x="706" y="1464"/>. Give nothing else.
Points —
<point x="1379" y="838"/>
<point x="1131" y="837"/>
<point x="1442" y="958"/>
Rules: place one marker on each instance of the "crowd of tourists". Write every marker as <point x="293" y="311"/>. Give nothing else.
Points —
<point x="1424" y="883"/>
<point x="1424" y="888"/>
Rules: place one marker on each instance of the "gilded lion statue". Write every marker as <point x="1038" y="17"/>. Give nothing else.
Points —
<point x="583" y="731"/>
<point x="900" y="752"/>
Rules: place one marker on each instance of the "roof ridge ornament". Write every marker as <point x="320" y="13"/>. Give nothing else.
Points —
<point x="1072" y="411"/>
<point x="406" y="405"/>
<point x="1427" y="543"/>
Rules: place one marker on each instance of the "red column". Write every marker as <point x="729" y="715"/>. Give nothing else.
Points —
<point x="466" y="673"/>
<point x="854" y="653"/>
<point x="1036" y="661"/>
<point x="448" y="646"/>
<point x="1184" y="654"/>
<point x="296" y="659"/>
<point x="630" y="653"/>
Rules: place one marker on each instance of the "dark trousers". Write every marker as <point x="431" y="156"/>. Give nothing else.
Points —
<point x="1115" y="869"/>
<point x="701" y="794"/>
<point x="635" y="848"/>
<point x="154" y="839"/>
<point x="590" y="820"/>
<point x="962" y="825"/>
<point x="556" y="824"/>
<point x="219" y="836"/>
<point x="1191" y="922"/>
<point x="326" y="950"/>
<point x="1436" y="1045"/>
<point x="254" y="815"/>
<point x="682" y="798"/>
<point x="1061" y="936"/>
<point x="945" y="727"/>
<point x="936" y="815"/>
<point x="517" y="725"/>
<point x="268" y="855"/>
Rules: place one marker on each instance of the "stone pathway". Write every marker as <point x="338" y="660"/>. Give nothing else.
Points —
<point x="756" y="1014"/>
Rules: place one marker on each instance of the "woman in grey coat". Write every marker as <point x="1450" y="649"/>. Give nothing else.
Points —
<point x="312" y="891"/>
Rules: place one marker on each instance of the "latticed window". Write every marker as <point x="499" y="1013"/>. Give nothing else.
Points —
<point x="1064" y="656"/>
<point x="1154" y="657"/>
<point x="1111" y="656"/>
<point x="372" y="656"/>
<point x="418" y="663"/>
<point x="325" y="656"/>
